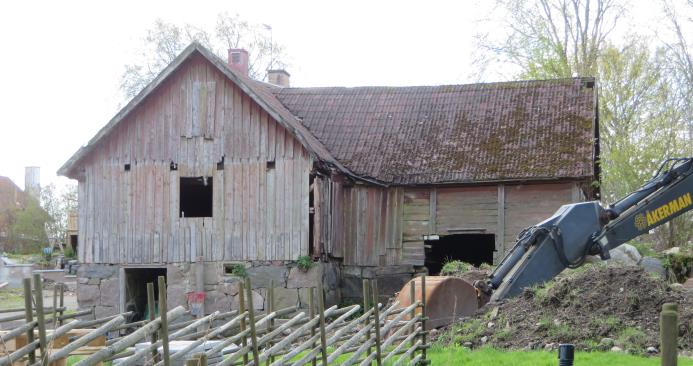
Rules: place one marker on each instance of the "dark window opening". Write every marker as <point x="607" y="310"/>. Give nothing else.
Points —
<point x="136" y="280"/>
<point x="127" y="167"/>
<point x="196" y="197"/>
<point x="73" y="243"/>
<point x="471" y="248"/>
<point x="220" y="164"/>
<point x="270" y="164"/>
<point x="173" y="166"/>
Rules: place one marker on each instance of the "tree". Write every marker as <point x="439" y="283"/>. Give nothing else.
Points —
<point x="26" y="233"/>
<point x="639" y="101"/>
<point x="58" y="206"/>
<point x="164" y="41"/>
<point x="549" y="38"/>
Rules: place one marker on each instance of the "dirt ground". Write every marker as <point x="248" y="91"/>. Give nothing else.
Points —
<point x="596" y="308"/>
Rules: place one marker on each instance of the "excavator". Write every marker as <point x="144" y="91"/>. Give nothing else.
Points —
<point x="565" y="240"/>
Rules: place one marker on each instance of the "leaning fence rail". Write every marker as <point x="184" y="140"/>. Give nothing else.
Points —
<point x="320" y="335"/>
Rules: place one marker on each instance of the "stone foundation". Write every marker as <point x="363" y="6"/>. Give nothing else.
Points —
<point x="101" y="286"/>
<point x="390" y="281"/>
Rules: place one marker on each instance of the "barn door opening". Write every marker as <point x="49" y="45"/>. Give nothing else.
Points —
<point x="136" y="280"/>
<point x="471" y="248"/>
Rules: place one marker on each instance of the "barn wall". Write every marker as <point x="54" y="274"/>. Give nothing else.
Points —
<point x="196" y="119"/>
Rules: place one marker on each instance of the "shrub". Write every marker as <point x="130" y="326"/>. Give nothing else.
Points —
<point x="304" y="263"/>
<point x="452" y="268"/>
<point x="235" y="269"/>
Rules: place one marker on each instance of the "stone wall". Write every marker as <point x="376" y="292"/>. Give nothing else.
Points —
<point x="390" y="281"/>
<point x="99" y="285"/>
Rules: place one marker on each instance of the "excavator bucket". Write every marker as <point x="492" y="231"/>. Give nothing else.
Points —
<point x="447" y="299"/>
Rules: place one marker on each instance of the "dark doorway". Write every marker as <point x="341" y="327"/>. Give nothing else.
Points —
<point x="471" y="248"/>
<point x="73" y="243"/>
<point x="196" y="197"/>
<point x="136" y="280"/>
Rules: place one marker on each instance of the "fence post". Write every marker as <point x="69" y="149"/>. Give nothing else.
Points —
<point x="311" y="300"/>
<point x="668" y="330"/>
<point x="28" y="306"/>
<point x="376" y="315"/>
<point x="251" y="321"/>
<point x="241" y="309"/>
<point x="412" y="300"/>
<point x="366" y="307"/>
<point x="424" y="317"/>
<point x="62" y="302"/>
<point x="55" y="306"/>
<point x="40" y="318"/>
<point x="164" y="320"/>
<point x="270" y="310"/>
<point x="198" y="359"/>
<point x="321" y="314"/>
<point x="151" y="306"/>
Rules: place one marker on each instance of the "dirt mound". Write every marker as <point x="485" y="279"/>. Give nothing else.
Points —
<point x="595" y="308"/>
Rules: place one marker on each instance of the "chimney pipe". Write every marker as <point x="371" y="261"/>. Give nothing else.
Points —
<point x="32" y="181"/>
<point x="278" y="77"/>
<point x="238" y="60"/>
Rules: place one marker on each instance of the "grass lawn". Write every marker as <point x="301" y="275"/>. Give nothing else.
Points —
<point x="489" y="356"/>
<point x="11" y="298"/>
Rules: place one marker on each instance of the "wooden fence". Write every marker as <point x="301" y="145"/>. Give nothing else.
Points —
<point x="366" y="334"/>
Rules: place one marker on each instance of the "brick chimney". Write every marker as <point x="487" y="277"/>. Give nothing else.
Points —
<point x="278" y="77"/>
<point x="238" y="60"/>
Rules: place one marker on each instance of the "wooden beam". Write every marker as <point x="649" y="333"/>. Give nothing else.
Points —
<point x="500" y="231"/>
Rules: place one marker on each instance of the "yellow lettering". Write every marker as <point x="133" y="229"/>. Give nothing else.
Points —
<point x="673" y="207"/>
<point x="660" y="212"/>
<point x="651" y="219"/>
<point x="687" y="199"/>
<point x="665" y="209"/>
<point x="682" y="202"/>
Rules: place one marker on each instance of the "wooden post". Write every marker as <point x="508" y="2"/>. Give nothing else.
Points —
<point x="151" y="306"/>
<point x="668" y="330"/>
<point x="366" y="307"/>
<point x="321" y="314"/>
<point x="198" y="359"/>
<point x="200" y="281"/>
<point x="241" y="309"/>
<point x="270" y="310"/>
<point x="251" y="321"/>
<point x="164" y="320"/>
<point x="62" y="302"/>
<point x="29" y="314"/>
<point x="376" y="315"/>
<point x="412" y="300"/>
<point x="40" y="318"/>
<point x="424" y="317"/>
<point x="311" y="300"/>
<point x="55" y="305"/>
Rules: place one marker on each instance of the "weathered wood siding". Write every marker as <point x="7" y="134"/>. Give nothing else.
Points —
<point x="407" y="214"/>
<point x="365" y="225"/>
<point x="194" y="119"/>
<point x="527" y="205"/>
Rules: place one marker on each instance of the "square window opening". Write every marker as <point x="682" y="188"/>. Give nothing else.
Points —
<point x="196" y="197"/>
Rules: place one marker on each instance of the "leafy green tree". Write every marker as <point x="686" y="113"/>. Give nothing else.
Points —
<point x="26" y="234"/>
<point x="58" y="205"/>
<point x="640" y="99"/>
<point x="164" y="41"/>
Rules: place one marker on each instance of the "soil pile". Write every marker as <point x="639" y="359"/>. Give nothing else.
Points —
<point x="596" y="308"/>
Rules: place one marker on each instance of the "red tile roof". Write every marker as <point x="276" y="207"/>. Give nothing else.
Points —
<point x="525" y="130"/>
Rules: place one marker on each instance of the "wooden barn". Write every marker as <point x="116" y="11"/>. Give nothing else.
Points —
<point x="207" y="170"/>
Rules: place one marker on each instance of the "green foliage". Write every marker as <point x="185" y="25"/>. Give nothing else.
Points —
<point x="69" y="252"/>
<point x="680" y="266"/>
<point x="453" y="268"/>
<point x="485" y="356"/>
<point x="26" y="233"/>
<point x="633" y="339"/>
<point x="235" y="269"/>
<point x="304" y="263"/>
<point x="470" y="331"/>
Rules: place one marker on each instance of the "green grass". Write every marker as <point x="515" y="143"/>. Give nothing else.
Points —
<point x="11" y="298"/>
<point x="489" y="356"/>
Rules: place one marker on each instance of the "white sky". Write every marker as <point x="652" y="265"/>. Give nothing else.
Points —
<point x="62" y="60"/>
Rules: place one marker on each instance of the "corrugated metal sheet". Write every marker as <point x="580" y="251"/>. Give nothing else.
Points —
<point x="458" y="133"/>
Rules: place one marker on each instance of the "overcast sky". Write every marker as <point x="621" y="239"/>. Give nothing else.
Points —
<point x="62" y="60"/>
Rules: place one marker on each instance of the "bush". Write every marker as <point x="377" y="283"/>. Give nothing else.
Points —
<point x="453" y="268"/>
<point x="304" y="263"/>
<point x="69" y="252"/>
<point x="236" y="269"/>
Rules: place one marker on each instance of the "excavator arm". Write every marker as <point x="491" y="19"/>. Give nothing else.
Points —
<point x="581" y="229"/>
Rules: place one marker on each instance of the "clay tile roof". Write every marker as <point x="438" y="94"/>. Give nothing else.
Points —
<point x="524" y="130"/>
